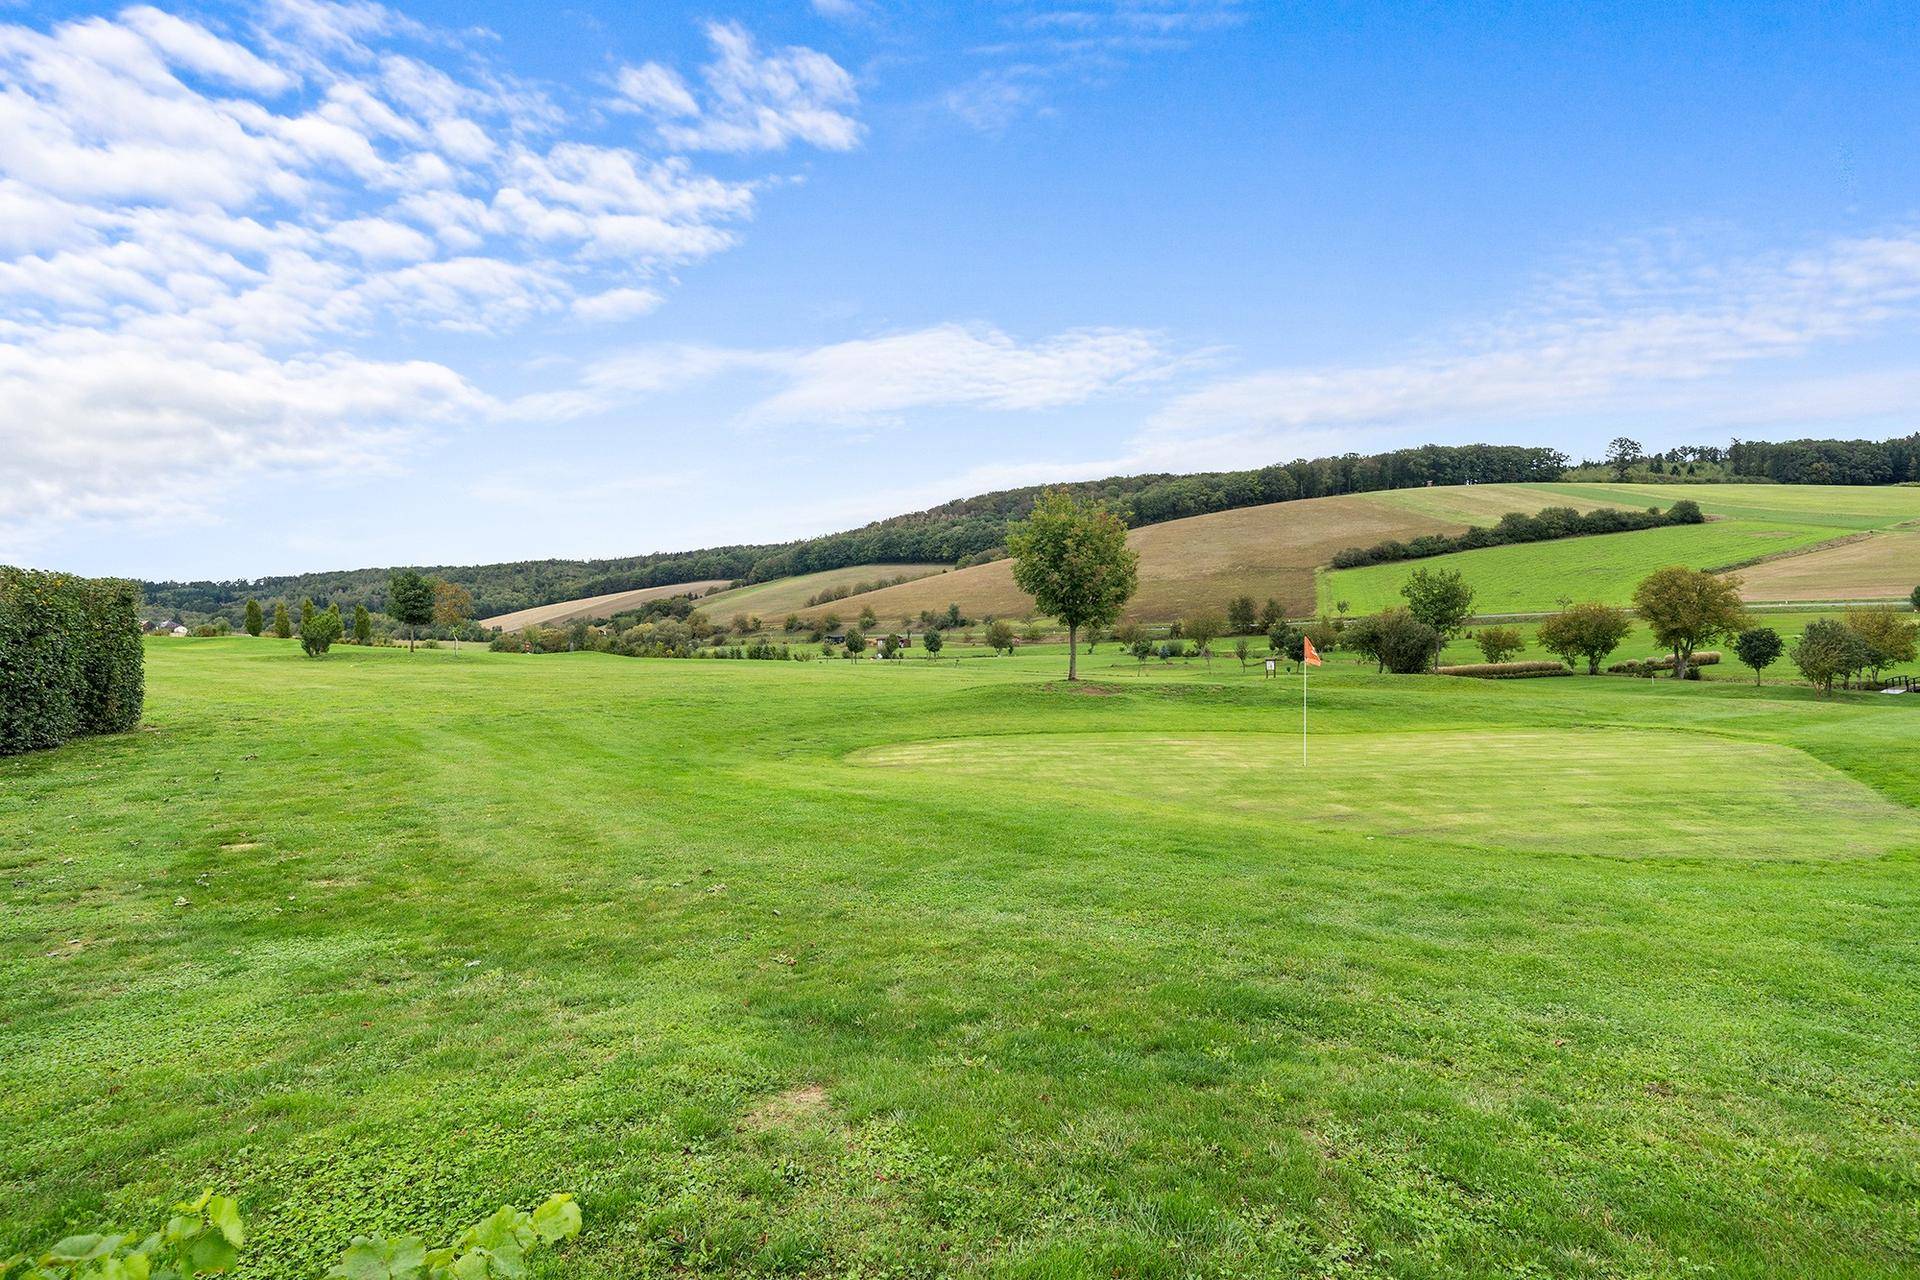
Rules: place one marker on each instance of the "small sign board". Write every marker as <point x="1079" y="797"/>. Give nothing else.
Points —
<point x="1272" y="666"/>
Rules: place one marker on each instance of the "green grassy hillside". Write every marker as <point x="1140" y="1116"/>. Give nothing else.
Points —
<point x="1537" y="576"/>
<point x="917" y="969"/>
<point x="1791" y="525"/>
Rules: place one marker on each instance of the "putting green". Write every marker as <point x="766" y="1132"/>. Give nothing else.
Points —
<point x="1604" y="792"/>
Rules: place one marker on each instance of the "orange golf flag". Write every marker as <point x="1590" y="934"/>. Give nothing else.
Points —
<point x="1308" y="652"/>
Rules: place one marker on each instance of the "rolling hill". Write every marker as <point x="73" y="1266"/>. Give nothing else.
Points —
<point x="772" y="601"/>
<point x="1185" y="565"/>
<point x="603" y="606"/>
<point x="1786" y="542"/>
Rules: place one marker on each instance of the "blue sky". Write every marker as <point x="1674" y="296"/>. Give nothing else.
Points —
<point x="304" y="285"/>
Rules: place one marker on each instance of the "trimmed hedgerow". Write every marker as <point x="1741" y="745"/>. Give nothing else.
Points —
<point x="70" y="658"/>
<point x="1507" y="670"/>
<point x="1646" y="666"/>
<point x="1515" y="526"/>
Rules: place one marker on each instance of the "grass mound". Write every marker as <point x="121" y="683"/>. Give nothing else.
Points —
<point x="1603" y="792"/>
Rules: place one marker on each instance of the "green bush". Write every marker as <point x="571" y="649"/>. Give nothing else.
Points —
<point x="204" y="1237"/>
<point x="1404" y="644"/>
<point x="70" y="658"/>
<point x="320" y="631"/>
<point x="1507" y="670"/>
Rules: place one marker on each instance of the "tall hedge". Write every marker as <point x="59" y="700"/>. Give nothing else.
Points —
<point x="70" y="658"/>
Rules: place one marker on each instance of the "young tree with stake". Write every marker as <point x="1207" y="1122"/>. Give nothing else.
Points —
<point x="452" y="605"/>
<point x="1073" y="559"/>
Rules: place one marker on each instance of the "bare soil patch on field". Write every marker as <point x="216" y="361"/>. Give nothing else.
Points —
<point x="1878" y="566"/>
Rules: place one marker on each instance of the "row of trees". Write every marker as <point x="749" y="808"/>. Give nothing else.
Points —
<point x="1517" y="527"/>
<point x="413" y="601"/>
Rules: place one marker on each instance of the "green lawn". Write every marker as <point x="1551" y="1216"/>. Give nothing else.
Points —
<point x="1536" y="576"/>
<point x="851" y="969"/>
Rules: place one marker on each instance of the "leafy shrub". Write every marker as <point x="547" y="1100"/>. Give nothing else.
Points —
<point x="322" y="630"/>
<point x="1497" y="644"/>
<point x="1404" y="644"/>
<point x="1507" y="670"/>
<point x="70" y="658"/>
<point x="203" y="1238"/>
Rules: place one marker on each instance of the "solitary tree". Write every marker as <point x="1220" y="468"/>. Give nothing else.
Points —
<point x="1073" y="559"/>
<point x="931" y="642"/>
<point x="1758" y="648"/>
<point x="1362" y="636"/>
<point x="856" y="642"/>
<point x="1271" y="615"/>
<point x="282" y="624"/>
<point x="1000" y="636"/>
<point x="1241" y="616"/>
<point x="1688" y="608"/>
<point x="1914" y="599"/>
<point x="410" y="601"/>
<point x="318" y="632"/>
<point x="1497" y="644"/>
<point x="1589" y="631"/>
<point x="255" y="624"/>
<point x="1203" y="629"/>
<point x="362" y="625"/>
<point x="452" y="604"/>
<point x="867" y="618"/>
<point x="1140" y="645"/>
<point x="1442" y="600"/>
<point x="1622" y="453"/>
<point x="306" y="614"/>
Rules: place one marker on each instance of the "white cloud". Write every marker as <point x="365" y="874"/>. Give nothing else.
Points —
<point x="617" y="304"/>
<point x="1048" y="47"/>
<point x="212" y="242"/>
<point x="382" y="240"/>
<point x="875" y="380"/>
<point x="752" y="101"/>
<point x="654" y="89"/>
<point x="196" y="49"/>
<point x="1620" y="328"/>
<point x="112" y="426"/>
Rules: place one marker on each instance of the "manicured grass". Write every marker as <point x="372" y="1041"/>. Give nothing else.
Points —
<point x="920" y="969"/>
<point x="1536" y="576"/>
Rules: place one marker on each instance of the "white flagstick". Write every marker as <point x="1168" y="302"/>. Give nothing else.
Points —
<point x="1303" y="707"/>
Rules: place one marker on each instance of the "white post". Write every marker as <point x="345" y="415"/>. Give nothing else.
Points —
<point x="1303" y="710"/>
